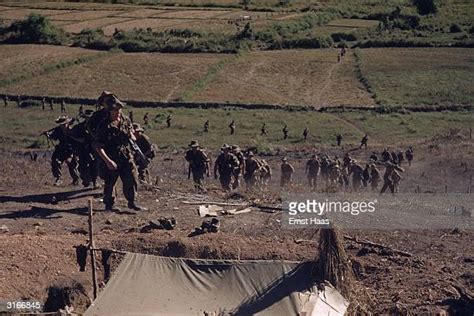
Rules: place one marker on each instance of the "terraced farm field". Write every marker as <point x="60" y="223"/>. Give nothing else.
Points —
<point x="306" y="77"/>
<point x="420" y="76"/>
<point x="26" y="60"/>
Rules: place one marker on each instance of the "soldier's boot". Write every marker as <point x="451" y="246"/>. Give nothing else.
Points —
<point x="112" y="208"/>
<point x="135" y="207"/>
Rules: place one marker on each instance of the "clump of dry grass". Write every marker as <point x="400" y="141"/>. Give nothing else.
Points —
<point x="334" y="266"/>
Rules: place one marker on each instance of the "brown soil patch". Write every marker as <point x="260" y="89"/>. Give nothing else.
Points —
<point x="20" y="59"/>
<point x="37" y="251"/>
<point x="306" y="77"/>
<point x="140" y="76"/>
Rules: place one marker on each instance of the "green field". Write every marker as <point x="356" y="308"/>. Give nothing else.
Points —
<point x="20" y="127"/>
<point x="420" y="76"/>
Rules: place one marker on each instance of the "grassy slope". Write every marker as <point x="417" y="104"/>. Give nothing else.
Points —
<point x="420" y="76"/>
<point x="20" y="127"/>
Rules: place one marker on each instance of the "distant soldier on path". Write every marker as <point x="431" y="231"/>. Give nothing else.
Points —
<point x="198" y="164"/>
<point x="312" y="171"/>
<point x="363" y="141"/>
<point x="51" y="107"/>
<point x="5" y="101"/>
<point x="168" y="121"/>
<point x="43" y="104"/>
<point x="263" y="130"/>
<point x="232" y="127"/>
<point x="305" y="133"/>
<point x="285" y="132"/>
<point x="206" y="126"/>
<point x="409" y="155"/>
<point x="18" y="100"/>
<point x="63" y="106"/>
<point x="130" y="116"/>
<point x="146" y="119"/>
<point x="339" y="139"/>
<point x="81" y="110"/>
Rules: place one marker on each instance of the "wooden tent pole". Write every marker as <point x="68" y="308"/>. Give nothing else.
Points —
<point x="91" y="249"/>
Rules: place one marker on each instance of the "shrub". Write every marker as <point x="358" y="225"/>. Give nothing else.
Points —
<point x="36" y="29"/>
<point x="454" y="28"/>
<point x="425" y="7"/>
<point x="341" y="36"/>
<point x="29" y="103"/>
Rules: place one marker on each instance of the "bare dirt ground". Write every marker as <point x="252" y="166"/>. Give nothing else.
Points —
<point x="44" y="223"/>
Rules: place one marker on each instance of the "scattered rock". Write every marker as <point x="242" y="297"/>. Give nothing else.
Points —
<point x="38" y="224"/>
<point x="4" y="229"/>
<point x="108" y="222"/>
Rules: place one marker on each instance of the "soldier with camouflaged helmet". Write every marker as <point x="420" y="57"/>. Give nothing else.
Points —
<point x="88" y="164"/>
<point x="252" y="166"/>
<point x="198" y="164"/>
<point x="225" y="165"/>
<point x="235" y="150"/>
<point x="112" y="144"/>
<point x="63" y="151"/>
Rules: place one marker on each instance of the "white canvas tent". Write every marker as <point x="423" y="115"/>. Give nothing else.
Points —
<point x="152" y="285"/>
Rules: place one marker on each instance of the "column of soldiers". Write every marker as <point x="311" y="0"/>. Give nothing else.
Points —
<point x="347" y="174"/>
<point x="102" y="145"/>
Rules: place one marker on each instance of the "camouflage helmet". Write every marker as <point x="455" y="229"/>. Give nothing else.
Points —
<point x="109" y="101"/>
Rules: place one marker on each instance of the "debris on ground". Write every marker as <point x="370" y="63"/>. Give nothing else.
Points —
<point x="207" y="226"/>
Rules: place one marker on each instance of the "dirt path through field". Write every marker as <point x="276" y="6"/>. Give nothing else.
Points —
<point x="325" y="87"/>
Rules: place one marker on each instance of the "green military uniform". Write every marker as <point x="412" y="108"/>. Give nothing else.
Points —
<point x="238" y="171"/>
<point x="287" y="171"/>
<point x="312" y="170"/>
<point x="250" y="173"/>
<point x="145" y="145"/>
<point x="88" y="167"/>
<point x="226" y="163"/>
<point x="63" y="151"/>
<point x="112" y="138"/>
<point x="198" y="164"/>
<point x="357" y="175"/>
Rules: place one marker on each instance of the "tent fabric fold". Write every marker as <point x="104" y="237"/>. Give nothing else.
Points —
<point x="153" y="285"/>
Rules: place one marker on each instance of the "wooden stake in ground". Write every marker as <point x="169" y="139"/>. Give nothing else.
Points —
<point x="91" y="248"/>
